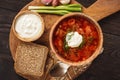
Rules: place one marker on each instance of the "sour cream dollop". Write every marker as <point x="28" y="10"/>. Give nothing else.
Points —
<point x="74" y="39"/>
<point x="28" y="25"/>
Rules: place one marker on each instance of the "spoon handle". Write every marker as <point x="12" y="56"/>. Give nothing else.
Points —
<point x="102" y="8"/>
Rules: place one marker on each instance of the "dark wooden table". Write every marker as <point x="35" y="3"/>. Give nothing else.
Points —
<point x="105" y="67"/>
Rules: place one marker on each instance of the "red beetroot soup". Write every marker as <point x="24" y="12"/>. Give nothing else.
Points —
<point x="83" y="27"/>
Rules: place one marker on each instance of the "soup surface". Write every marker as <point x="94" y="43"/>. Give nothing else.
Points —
<point x="75" y="38"/>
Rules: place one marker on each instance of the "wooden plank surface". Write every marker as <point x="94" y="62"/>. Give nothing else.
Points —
<point x="105" y="67"/>
<point x="102" y="8"/>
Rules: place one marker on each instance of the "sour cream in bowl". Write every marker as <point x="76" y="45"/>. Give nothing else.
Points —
<point x="28" y="26"/>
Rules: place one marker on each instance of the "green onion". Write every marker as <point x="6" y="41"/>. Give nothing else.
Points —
<point x="60" y="10"/>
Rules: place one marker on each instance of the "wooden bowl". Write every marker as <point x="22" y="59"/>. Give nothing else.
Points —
<point x="36" y="35"/>
<point x="96" y="52"/>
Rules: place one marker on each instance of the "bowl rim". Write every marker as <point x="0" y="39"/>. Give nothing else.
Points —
<point x="93" y="56"/>
<point x="37" y="36"/>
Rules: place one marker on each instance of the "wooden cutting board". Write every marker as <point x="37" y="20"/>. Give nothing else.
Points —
<point x="98" y="11"/>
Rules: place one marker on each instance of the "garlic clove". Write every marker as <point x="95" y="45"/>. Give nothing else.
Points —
<point x="46" y="2"/>
<point x="64" y="1"/>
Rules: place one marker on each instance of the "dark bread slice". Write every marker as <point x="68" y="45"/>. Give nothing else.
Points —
<point x="30" y="60"/>
<point x="48" y="66"/>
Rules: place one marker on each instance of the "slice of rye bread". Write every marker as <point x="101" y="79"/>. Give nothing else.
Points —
<point x="30" y="60"/>
<point x="48" y="66"/>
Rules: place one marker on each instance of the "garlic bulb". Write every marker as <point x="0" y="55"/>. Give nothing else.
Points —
<point x="46" y="2"/>
<point x="64" y="1"/>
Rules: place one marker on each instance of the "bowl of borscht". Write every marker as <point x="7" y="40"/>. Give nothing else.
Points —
<point x="76" y="39"/>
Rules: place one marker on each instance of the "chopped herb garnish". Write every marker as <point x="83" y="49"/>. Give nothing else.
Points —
<point x="67" y="37"/>
<point x="66" y="47"/>
<point x="90" y="39"/>
<point x="83" y="42"/>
